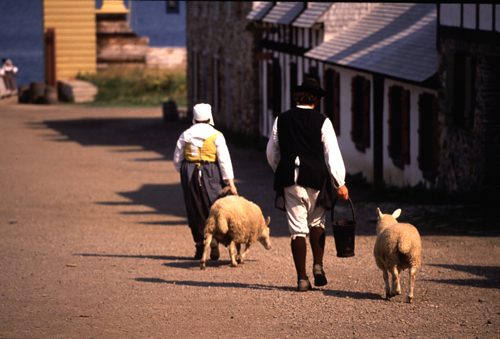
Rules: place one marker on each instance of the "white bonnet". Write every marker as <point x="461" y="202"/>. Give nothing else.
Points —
<point x="202" y="112"/>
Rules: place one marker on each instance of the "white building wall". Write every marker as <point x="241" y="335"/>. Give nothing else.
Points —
<point x="411" y="174"/>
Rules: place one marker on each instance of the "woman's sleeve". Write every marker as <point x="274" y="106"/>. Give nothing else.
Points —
<point x="179" y="153"/>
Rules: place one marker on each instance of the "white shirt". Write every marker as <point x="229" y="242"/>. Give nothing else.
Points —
<point x="331" y="151"/>
<point x="196" y="135"/>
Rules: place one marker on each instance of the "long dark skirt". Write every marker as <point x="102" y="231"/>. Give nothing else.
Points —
<point x="199" y="194"/>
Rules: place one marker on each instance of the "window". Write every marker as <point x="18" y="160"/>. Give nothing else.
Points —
<point x="399" y="126"/>
<point x="216" y="10"/>
<point x="360" y="111"/>
<point x="276" y="87"/>
<point x="332" y="99"/>
<point x="428" y="144"/>
<point x="194" y="58"/>
<point x="172" y="7"/>
<point x="217" y="81"/>
<point x="460" y="93"/>
<point x="228" y="10"/>
<point x="204" y="8"/>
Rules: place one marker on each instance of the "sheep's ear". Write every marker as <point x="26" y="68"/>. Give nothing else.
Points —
<point x="396" y="213"/>
<point x="380" y="215"/>
<point x="268" y="221"/>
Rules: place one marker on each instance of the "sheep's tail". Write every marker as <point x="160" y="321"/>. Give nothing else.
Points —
<point x="404" y="247"/>
<point x="410" y="241"/>
<point x="216" y="224"/>
<point x="225" y="192"/>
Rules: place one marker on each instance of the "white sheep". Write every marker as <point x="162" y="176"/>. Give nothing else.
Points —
<point x="233" y="220"/>
<point x="397" y="247"/>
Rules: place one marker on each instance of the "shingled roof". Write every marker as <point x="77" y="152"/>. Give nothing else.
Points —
<point x="311" y="14"/>
<point x="395" y="39"/>
<point x="284" y="13"/>
<point x="260" y="11"/>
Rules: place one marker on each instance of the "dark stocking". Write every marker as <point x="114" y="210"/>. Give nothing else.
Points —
<point x="299" y="251"/>
<point x="317" y="241"/>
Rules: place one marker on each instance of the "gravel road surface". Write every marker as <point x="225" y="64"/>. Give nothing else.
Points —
<point x="94" y="243"/>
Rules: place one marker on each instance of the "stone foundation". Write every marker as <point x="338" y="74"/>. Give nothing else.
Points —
<point x="166" y="57"/>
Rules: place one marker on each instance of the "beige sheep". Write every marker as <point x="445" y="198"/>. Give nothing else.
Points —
<point x="397" y="247"/>
<point x="233" y="220"/>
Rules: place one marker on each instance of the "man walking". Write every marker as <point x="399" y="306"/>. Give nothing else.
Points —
<point x="305" y="156"/>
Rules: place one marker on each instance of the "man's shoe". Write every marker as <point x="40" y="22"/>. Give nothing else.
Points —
<point x="319" y="275"/>
<point x="214" y="252"/>
<point x="304" y="285"/>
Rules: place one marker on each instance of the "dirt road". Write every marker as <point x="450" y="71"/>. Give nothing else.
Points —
<point x="94" y="243"/>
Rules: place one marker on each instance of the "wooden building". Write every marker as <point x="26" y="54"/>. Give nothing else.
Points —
<point x="70" y="38"/>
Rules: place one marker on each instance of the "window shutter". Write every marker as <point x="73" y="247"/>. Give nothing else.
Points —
<point x="336" y="102"/>
<point x="469" y="97"/>
<point x="424" y="132"/>
<point x="405" y="127"/>
<point x="269" y="86"/>
<point x="389" y="122"/>
<point x="293" y="75"/>
<point x="450" y="82"/>
<point x="353" y="109"/>
<point x="328" y="85"/>
<point x="366" y="113"/>
<point x="435" y="136"/>
<point x="276" y="104"/>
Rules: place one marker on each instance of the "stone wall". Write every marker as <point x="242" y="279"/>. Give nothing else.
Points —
<point x="221" y="68"/>
<point x="166" y="57"/>
<point x="469" y="158"/>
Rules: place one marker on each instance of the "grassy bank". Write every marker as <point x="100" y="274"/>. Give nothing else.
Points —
<point x="127" y="86"/>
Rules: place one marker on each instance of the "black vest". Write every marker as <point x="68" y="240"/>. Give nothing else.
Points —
<point x="299" y="134"/>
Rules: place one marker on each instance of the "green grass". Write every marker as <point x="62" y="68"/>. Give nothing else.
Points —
<point x="137" y="86"/>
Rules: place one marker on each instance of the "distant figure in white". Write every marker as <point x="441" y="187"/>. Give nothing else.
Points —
<point x="8" y="73"/>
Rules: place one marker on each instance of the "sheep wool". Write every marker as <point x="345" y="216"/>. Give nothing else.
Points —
<point x="398" y="247"/>
<point x="233" y="220"/>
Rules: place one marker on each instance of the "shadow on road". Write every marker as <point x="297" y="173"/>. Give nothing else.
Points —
<point x="487" y="276"/>
<point x="331" y="293"/>
<point x="154" y="257"/>
<point x="254" y="180"/>
<point x="164" y="199"/>
<point x="215" y="284"/>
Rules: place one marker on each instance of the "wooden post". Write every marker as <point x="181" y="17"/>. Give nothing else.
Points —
<point x="50" y="57"/>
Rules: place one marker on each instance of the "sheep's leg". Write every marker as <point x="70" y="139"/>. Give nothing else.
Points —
<point x="208" y="240"/>
<point x="396" y="288"/>
<point x="238" y="251"/>
<point x="242" y="256"/>
<point x="413" y="273"/>
<point x="386" y="281"/>
<point x="232" y="253"/>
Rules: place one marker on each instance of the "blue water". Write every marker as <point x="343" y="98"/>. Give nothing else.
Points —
<point x="21" y="31"/>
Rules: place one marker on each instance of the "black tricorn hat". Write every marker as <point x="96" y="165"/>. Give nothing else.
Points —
<point x="310" y="85"/>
